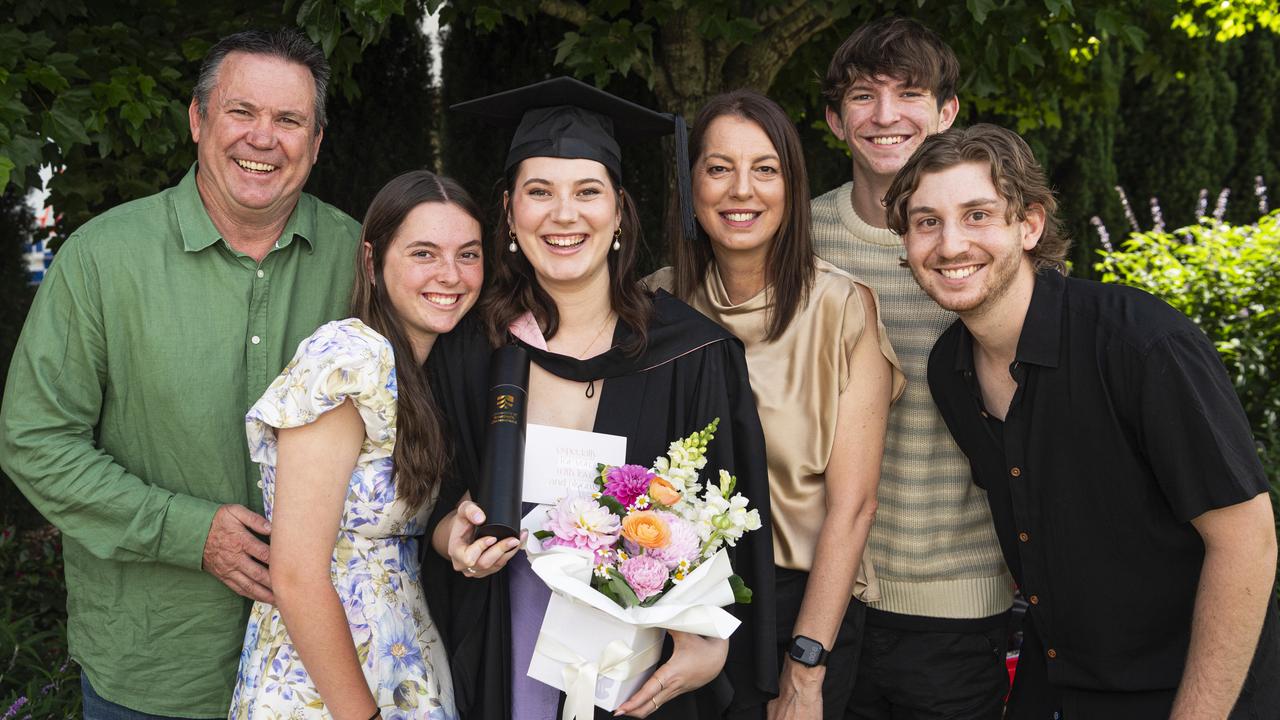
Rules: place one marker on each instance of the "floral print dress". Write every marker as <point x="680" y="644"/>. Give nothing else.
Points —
<point x="375" y="558"/>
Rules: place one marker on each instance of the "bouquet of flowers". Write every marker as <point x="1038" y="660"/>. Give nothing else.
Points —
<point x="647" y="529"/>
<point x="643" y="554"/>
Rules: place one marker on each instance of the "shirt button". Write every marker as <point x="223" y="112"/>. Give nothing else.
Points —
<point x="1016" y="472"/>
<point x="261" y="274"/>
<point x="1034" y="599"/>
<point x="1052" y="653"/>
<point x="1023" y="536"/>
<point x="255" y="339"/>
<point x="259" y="483"/>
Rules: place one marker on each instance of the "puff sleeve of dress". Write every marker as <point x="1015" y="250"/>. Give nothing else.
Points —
<point x="342" y="360"/>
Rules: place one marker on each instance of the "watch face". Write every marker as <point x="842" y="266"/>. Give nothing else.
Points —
<point x="806" y="651"/>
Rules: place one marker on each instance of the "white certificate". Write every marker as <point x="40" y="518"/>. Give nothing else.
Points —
<point x="560" y="462"/>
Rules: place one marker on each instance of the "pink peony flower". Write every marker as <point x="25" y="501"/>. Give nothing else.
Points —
<point x="646" y="575"/>
<point x="683" y="545"/>
<point x="580" y="522"/>
<point x="625" y="483"/>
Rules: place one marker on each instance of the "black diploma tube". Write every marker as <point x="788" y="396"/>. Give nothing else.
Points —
<point x="502" y="472"/>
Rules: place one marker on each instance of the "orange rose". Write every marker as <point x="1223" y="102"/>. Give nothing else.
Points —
<point x="663" y="492"/>
<point x="646" y="529"/>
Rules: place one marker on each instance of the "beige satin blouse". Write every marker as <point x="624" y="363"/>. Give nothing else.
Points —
<point x="797" y="381"/>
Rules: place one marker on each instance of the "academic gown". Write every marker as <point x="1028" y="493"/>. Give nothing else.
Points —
<point x="690" y="372"/>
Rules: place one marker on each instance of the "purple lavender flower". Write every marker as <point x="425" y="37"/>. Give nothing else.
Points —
<point x="1220" y="209"/>
<point x="15" y="707"/>
<point x="625" y="483"/>
<point x="1103" y="236"/>
<point x="1128" y="211"/>
<point x="646" y="575"/>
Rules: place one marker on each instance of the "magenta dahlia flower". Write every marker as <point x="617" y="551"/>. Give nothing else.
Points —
<point x="625" y="483"/>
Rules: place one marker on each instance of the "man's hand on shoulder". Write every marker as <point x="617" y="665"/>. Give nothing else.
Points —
<point x="234" y="555"/>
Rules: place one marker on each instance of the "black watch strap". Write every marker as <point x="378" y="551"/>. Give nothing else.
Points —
<point x="807" y="651"/>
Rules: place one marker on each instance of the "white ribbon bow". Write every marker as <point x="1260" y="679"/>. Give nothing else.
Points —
<point x="616" y="662"/>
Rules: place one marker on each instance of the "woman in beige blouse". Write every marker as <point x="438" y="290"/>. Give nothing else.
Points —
<point x="823" y="374"/>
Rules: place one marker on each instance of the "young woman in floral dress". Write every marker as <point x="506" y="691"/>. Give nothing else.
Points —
<point x="352" y="451"/>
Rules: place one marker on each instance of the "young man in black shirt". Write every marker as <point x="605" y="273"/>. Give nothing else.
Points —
<point x="1120" y="469"/>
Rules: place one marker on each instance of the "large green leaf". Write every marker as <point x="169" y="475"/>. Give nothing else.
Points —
<point x="6" y="167"/>
<point x="979" y="9"/>
<point x="64" y="128"/>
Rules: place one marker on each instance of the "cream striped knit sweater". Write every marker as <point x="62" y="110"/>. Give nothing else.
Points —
<point x="932" y="544"/>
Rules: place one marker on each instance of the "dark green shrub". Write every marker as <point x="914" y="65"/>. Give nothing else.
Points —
<point x="37" y="677"/>
<point x="16" y="226"/>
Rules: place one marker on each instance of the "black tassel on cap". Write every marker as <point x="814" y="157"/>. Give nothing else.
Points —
<point x="683" y="183"/>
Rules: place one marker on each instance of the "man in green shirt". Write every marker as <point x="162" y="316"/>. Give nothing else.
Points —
<point x="158" y="325"/>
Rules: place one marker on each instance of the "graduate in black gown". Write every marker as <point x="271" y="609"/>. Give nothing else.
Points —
<point x="608" y="357"/>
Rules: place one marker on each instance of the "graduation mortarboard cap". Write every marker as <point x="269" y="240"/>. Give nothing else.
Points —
<point x="566" y="118"/>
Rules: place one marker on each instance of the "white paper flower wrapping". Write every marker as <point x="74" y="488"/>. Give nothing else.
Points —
<point x="695" y="605"/>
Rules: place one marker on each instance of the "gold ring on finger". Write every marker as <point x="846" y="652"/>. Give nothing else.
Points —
<point x="471" y="571"/>
<point x="655" y="703"/>
<point x="661" y="685"/>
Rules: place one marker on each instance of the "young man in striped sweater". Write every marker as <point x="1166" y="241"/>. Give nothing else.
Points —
<point x="935" y="642"/>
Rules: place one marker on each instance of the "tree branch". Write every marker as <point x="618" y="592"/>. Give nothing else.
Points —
<point x="771" y="14"/>
<point x="681" y="70"/>
<point x="571" y="12"/>
<point x="784" y="30"/>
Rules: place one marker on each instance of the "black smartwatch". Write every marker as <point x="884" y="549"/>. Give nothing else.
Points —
<point x="807" y="651"/>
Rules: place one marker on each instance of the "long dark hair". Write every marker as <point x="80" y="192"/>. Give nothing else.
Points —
<point x="789" y="267"/>
<point x="421" y="451"/>
<point x="513" y="288"/>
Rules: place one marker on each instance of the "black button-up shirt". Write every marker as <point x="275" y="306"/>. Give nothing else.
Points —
<point x="1124" y="427"/>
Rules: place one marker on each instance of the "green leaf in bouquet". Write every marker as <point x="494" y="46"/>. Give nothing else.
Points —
<point x="622" y="592"/>
<point x="612" y="505"/>
<point x="602" y="585"/>
<point x="543" y="534"/>
<point x="741" y="593"/>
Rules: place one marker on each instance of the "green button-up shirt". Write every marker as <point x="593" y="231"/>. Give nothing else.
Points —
<point x="123" y="422"/>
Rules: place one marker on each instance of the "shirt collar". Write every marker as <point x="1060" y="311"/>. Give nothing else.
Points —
<point x="199" y="232"/>
<point x="1041" y="337"/>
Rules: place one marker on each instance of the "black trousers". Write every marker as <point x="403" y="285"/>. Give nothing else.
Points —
<point x="907" y="674"/>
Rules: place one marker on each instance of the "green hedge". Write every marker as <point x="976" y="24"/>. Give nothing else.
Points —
<point x="37" y="678"/>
